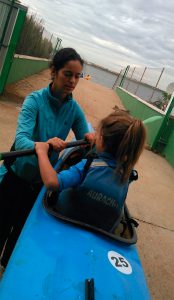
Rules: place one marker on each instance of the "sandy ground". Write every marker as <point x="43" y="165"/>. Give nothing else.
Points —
<point x="150" y="199"/>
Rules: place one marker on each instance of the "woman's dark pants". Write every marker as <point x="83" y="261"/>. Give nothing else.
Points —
<point x="16" y="201"/>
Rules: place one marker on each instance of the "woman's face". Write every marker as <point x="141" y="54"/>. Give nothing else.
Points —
<point x="66" y="79"/>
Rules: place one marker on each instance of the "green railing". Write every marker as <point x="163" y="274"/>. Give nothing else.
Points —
<point x="159" y="124"/>
<point x="24" y="66"/>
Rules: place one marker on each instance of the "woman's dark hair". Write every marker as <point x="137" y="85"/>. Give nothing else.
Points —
<point x="63" y="56"/>
<point x="123" y="137"/>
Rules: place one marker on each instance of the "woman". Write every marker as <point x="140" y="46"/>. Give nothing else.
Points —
<point x="99" y="193"/>
<point x="47" y="115"/>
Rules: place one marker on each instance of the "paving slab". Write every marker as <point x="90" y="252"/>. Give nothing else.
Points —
<point x="155" y="246"/>
<point x="151" y="198"/>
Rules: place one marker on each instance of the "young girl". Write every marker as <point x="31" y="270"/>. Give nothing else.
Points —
<point x="100" y="194"/>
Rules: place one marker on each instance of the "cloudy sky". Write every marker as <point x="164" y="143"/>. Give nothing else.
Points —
<point x="112" y="33"/>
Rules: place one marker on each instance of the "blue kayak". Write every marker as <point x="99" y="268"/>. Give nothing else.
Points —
<point x="55" y="258"/>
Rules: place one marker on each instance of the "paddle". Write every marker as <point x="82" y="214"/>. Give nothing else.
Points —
<point x="15" y="154"/>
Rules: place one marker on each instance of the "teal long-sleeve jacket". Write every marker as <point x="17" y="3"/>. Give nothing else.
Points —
<point x="43" y="117"/>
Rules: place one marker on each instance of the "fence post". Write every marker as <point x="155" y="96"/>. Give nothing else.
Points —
<point x="164" y="122"/>
<point x="116" y="79"/>
<point x="58" y="44"/>
<point x="124" y="75"/>
<point x="156" y="84"/>
<point x="56" y="48"/>
<point x="130" y="78"/>
<point x="140" y="80"/>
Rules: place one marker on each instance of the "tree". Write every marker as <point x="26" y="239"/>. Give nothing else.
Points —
<point x="162" y="103"/>
<point x="32" y="42"/>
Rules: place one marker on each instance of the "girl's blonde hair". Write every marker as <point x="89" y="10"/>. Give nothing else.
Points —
<point x="124" y="137"/>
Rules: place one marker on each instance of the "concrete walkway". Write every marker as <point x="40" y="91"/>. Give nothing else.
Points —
<point x="150" y="199"/>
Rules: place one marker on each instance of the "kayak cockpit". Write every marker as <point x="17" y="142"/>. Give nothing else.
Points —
<point x="124" y="229"/>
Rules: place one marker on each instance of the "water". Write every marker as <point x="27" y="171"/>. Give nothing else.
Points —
<point x="100" y="76"/>
<point x="106" y="78"/>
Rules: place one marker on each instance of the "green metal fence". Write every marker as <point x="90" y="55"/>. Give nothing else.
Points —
<point x="12" y="16"/>
<point x="24" y="66"/>
<point x="159" y="124"/>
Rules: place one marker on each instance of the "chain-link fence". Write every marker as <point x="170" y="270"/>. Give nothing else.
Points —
<point x="154" y="85"/>
<point x="119" y="78"/>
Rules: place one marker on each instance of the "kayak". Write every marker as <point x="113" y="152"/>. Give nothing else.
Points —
<point x="59" y="258"/>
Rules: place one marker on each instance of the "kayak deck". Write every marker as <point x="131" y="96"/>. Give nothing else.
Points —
<point x="54" y="260"/>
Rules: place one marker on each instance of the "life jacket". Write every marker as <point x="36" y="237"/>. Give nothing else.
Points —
<point x="99" y="199"/>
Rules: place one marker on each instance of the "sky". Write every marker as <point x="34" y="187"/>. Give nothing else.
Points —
<point x="112" y="33"/>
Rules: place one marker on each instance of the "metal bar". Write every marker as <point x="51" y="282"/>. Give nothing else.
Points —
<point x="124" y="75"/>
<point x="89" y="289"/>
<point x="140" y="80"/>
<point x="156" y="84"/>
<point x="77" y="143"/>
<point x="59" y="44"/>
<point x="20" y="153"/>
<point x="130" y="78"/>
<point x="116" y="79"/>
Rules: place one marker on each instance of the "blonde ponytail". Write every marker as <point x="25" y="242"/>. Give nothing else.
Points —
<point x="130" y="148"/>
<point x="123" y="137"/>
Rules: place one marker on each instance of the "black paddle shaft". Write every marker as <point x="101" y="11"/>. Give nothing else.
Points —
<point x="89" y="289"/>
<point x="15" y="154"/>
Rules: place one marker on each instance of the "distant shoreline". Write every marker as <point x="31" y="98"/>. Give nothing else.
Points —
<point x="100" y="67"/>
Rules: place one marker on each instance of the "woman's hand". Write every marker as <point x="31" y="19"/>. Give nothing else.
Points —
<point x="91" y="138"/>
<point x="57" y="144"/>
<point x="41" y="147"/>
